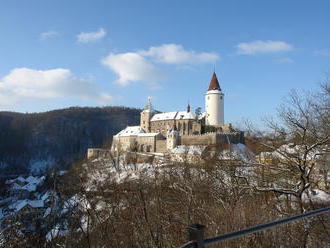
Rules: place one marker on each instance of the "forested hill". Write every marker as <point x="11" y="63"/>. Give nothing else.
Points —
<point x="29" y="142"/>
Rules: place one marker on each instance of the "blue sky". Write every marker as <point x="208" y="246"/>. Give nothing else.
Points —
<point x="56" y="54"/>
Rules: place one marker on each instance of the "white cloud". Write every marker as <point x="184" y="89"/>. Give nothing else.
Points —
<point x="176" y="54"/>
<point x="47" y="35"/>
<point x="141" y="65"/>
<point x="24" y="83"/>
<point x="131" y="67"/>
<point x="260" y="46"/>
<point x="92" y="36"/>
<point x="322" y="52"/>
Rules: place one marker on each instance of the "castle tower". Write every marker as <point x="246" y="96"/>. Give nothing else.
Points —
<point x="214" y="103"/>
<point x="146" y="115"/>
<point x="172" y="140"/>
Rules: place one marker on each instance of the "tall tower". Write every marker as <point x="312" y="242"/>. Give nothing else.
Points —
<point x="146" y="115"/>
<point x="214" y="103"/>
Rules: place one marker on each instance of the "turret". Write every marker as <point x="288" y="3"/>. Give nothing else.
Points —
<point x="172" y="139"/>
<point x="146" y="115"/>
<point x="214" y="103"/>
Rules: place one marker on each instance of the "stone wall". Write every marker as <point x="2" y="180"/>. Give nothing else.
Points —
<point x="97" y="153"/>
<point x="185" y="127"/>
<point x="195" y="140"/>
<point x="161" y="146"/>
<point x="146" y="144"/>
<point x="161" y="126"/>
<point x="213" y="139"/>
<point x="230" y="138"/>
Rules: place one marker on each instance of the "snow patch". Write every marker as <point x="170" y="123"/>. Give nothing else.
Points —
<point x="316" y="196"/>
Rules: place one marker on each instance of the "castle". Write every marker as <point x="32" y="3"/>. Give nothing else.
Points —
<point x="161" y="132"/>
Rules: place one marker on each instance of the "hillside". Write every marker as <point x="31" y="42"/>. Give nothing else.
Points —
<point x="31" y="142"/>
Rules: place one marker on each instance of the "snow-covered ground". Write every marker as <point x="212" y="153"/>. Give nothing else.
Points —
<point x="183" y="149"/>
<point x="235" y="151"/>
<point x="289" y="150"/>
<point x="316" y="196"/>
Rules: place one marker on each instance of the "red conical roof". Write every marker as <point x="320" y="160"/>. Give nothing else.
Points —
<point x="188" y="108"/>
<point x="214" y="83"/>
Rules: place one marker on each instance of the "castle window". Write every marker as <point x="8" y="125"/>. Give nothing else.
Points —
<point x="184" y="126"/>
<point x="221" y="97"/>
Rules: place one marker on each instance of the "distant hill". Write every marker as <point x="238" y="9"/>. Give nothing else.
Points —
<point x="31" y="142"/>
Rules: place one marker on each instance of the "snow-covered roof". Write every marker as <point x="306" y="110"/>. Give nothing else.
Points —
<point x="16" y="186"/>
<point x="21" y="179"/>
<point x="201" y="116"/>
<point x="17" y="179"/>
<point x="164" y="116"/>
<point x="30" y="179"/>
<point x="47" y="212"/>
<point x="147" y="134"/>
<point x="181" y="115"/>
<point x="30" y="184"/>
<point x="17" y="206"/>
<point x="130" y="131"/>
<point x="46" y="195"/>
<point x="184" y="115"/>
<point x="35" y="180"/>
<point x="31" y="187"/>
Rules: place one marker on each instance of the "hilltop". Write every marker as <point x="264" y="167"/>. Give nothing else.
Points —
<point x="31" y="142"/>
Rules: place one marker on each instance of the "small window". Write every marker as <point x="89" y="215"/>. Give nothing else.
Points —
<point x="221" y="97"/>
<point x="208" y="98"/>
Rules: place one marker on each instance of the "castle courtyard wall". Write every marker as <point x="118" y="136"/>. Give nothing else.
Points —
<point x="161" y="146"/>
<point x="146" y="143"/>
<point x="212" y="139"/>
<point x="195" y="140"/>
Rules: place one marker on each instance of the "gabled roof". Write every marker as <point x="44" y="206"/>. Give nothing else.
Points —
<point x="147" y="134"/>
<point x="184" y="115"/>
<point x="130" y="131"/>
<point x="164" y="116"/>
<point x="214" y="83"/>
<point x="17" y="206"/>
<point x="181" y="115"/>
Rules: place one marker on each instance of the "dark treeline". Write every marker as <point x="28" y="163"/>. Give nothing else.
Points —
<point x="58" y="136"/>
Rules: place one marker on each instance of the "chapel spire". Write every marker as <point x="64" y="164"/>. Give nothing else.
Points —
<point x="214" y="83"/>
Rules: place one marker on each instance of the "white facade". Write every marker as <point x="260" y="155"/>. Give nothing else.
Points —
<point x="214" y="107"/>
